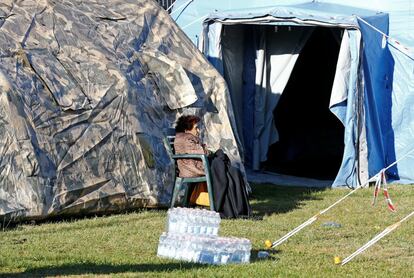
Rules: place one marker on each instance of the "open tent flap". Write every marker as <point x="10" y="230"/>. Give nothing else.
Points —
<point x="257" y="63"/>
<point x="341" y="82"/>
<point x="345" y="91"/>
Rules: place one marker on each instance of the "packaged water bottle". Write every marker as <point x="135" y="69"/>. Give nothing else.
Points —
<point x="187" y="248"/>
<point x="196" y="245"/>
<point x="216" y="223"/>
<point x="203" y="224"/>
<point x="225" y="249"/>
<point x="210" y="225"/>
<point x="182" y="224"/>
<point x="237" y="255"/>
<point x="247" y="246"/>
<point x="192" y="235"/>
<point x="162" y="247"/>
<point x="197" y="222"/>
<point x="175" y="247"/>
<point x="206" y="254"/>
<point x="170" y="221"/>
<point x="179" y="247"/>
<point x="216" y="248"/>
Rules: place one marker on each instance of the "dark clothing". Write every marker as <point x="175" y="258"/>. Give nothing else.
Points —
<point x="230" y="193"/>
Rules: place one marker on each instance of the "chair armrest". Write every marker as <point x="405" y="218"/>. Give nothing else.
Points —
<point x="199" y="156"/>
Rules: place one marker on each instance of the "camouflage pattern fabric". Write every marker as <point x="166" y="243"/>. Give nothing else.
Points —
<point x="87" y="90"/>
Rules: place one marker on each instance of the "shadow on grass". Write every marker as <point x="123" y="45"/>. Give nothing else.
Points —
<point x="55" y="219"/>
<point x="267" y="199"/>
<point x="105" y="269"/>
<point x="101" y="269"/>
<point x="271" y="255"/>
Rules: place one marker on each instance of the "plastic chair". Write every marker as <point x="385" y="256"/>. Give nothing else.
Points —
<point x="180" y="182"/>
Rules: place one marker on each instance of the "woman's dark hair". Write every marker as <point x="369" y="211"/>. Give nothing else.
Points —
<point x="186" y="123"/>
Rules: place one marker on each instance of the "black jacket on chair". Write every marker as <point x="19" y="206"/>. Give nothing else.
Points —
<point x="230" y="195"/>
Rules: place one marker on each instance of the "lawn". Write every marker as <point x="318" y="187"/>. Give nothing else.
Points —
<point x="124" y="245"/>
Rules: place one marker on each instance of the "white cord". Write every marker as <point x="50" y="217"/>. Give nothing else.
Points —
<point x="179" y="6"/>
<point x="408" y="50"/>
<point x="314" y="218"/>
<point x="191" y="23"/>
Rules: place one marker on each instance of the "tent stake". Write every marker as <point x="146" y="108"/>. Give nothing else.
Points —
<point x="315" y="217"/>
<point x="309" y="221"/>
<point x="387" y="230"/>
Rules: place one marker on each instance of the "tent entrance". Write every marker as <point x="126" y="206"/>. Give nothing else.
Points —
<point x="307" y="139"/>
<point x="310" y="136"/>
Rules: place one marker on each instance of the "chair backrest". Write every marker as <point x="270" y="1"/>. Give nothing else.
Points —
<point x="170" y="143"/>
<point x="169" y="137"/>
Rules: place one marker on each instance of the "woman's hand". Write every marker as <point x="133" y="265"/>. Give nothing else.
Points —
<point x="206" y="151"/>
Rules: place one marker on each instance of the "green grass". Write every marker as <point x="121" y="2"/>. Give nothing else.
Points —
<point x="125" y="245"/>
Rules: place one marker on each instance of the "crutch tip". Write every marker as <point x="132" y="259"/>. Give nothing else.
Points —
<point x="337" y="260"/>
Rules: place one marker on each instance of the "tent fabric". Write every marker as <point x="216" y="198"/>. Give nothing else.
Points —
<point x="342" y="73"/>
<point x="281" y="50"/>
<point x="366" y="107"/>
<point x="191" y="15"/>
<point x="403" y="115"/>
<point x="347" y="112"/>
<point x="86" y="92"/>
<point x="377" y="138"/>
<point x="378" y="73"/>
<point x="268" y="60"/>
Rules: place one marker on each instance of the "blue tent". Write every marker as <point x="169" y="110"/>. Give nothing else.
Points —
<point x="316" y="89"/>
<point x="189" y="14"/>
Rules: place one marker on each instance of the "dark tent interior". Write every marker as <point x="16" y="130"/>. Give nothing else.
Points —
<point x="310" y="136"/>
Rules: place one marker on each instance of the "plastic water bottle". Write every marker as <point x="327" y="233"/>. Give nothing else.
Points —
<point x="216" y="223"/>
<point x="247" y="247"/>
<point x="162" y="246"/>
<point x="225" y="250"/>
<point x="238" y="254"/>
<point x="192" y="235"/>
<point x="207" y="253"/>
<point x="198" y="246"/>
<point x="193" y="221"/>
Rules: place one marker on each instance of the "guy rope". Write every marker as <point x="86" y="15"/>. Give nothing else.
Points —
<point x="387" y="230"/>
<point x="316" y="216"/>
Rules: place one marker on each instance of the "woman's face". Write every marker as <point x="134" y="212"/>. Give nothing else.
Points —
<point x="195" y="130"/>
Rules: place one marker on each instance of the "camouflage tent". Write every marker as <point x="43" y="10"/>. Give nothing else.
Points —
<point x="87" y="90"/>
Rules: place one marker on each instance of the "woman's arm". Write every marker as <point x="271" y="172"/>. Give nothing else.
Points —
<point x="193" y="146"/>
<point x="189" y="144"/>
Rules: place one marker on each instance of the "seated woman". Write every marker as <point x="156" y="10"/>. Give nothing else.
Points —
<point x="187" y="141"/>
<point x="230" y="194"/>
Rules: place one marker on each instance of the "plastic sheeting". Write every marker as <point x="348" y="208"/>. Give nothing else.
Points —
<point x="87" y="89"/>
